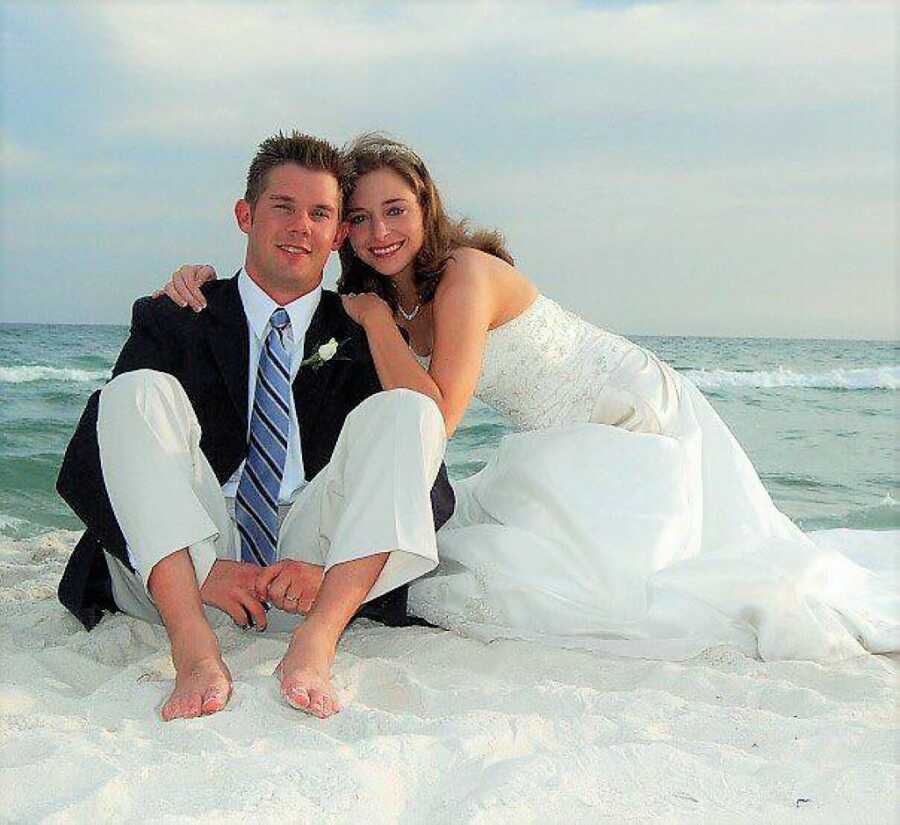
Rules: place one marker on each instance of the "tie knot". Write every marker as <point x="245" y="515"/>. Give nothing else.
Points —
<point x="280" y="319"/>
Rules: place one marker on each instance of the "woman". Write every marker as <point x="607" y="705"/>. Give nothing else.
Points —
<point x="624" y="517"/>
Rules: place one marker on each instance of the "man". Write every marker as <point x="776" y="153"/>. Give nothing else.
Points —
<point x="236" y="461"/>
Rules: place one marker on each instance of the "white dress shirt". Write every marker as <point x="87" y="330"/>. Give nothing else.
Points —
<point x="258" y="307"/>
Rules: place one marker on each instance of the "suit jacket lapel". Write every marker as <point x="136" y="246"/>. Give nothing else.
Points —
<point x="229" y="339"/>
<point x="311" y="386"/>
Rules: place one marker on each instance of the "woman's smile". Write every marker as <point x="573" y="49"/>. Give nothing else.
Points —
<point x="386" y="251"/>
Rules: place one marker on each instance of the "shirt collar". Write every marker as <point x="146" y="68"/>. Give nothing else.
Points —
<point x="258" y="307"/>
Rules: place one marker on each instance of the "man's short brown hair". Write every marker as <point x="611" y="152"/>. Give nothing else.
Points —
<point x="304" y="150"/>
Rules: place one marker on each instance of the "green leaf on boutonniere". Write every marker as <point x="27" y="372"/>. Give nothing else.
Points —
<point x="324" y="353"/>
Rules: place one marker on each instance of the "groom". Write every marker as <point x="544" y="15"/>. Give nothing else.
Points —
<point x="244" y="457"/>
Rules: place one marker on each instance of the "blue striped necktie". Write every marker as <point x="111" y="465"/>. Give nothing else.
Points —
<point x="256" y="504"/>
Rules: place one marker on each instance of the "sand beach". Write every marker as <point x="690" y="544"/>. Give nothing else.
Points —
<point x="714" y="181"/>
<point x="437" y="728"/>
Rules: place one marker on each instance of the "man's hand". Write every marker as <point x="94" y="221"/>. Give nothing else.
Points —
<point x="290" y="585"/>
<point x="230" y="587"/>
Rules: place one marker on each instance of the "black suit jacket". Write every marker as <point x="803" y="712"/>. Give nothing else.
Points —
<point x="208" y="354"/>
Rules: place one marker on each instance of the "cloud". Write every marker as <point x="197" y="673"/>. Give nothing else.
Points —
<point x="222" y="41"/>
<point x="206" y="69"/>
<point x="17" y="159"/>
<point x="662" y="166"/>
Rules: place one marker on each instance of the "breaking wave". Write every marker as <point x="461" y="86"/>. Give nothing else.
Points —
<point x="23" y="374"/>
<point x="868" y="378"/>
<point x="884" y="515"/>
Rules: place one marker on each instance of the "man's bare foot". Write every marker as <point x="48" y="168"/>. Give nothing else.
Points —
<point x="202" y="682"/>
<point x="305" y="671"/>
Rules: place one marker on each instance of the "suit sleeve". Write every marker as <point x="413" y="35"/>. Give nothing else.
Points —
<point x="147" y="346"/>
<point x="80" y="482"/>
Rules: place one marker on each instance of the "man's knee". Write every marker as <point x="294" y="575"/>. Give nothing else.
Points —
<point x="145" y="396"/>
<point x="135" y="390"/>
<point x="410" y="409"/>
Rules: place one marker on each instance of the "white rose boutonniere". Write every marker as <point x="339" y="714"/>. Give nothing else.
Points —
<point x="328" y="350"/>
<point x="325" y="353"/>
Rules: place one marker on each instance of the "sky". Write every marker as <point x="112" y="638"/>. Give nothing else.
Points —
<point x="689" y="168"/>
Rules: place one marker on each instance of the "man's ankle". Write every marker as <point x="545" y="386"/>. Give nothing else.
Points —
<point x="322" y="627"/>
<point x="196" y="641"/>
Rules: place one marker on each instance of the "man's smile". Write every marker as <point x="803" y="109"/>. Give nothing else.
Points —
<point x="294" y="250"/>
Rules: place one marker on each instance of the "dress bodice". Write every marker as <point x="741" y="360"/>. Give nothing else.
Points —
<point x="546" y="366"/>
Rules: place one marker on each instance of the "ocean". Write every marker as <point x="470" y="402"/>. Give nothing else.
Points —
<point x="818" y="418"/>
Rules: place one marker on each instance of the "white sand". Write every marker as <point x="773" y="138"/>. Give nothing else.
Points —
<point x="437" y="729"/>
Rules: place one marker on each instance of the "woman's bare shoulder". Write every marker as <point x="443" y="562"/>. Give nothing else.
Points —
<point x="466" y="286"/>
<point x="476" y="278"/>
<point x="466" y="269"/>
<point x="476" y="270"/>
<point x="469" y="258"/>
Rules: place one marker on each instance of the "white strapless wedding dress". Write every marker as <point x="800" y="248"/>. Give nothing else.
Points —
<point x="625" y="518"/>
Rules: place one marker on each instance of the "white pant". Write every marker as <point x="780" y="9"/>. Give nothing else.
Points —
<point x="372" y="497"/>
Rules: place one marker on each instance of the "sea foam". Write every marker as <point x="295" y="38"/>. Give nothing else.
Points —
<point x="883" y="515"/>
<point x="867" y="378"/>
<point x="10" y="522"/>
<point x="25" y="373"/>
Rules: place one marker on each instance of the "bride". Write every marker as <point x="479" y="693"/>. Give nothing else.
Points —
<point x="623" y="517"/>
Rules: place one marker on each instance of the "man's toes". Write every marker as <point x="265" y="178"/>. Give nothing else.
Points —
<point x="172" y="709"/>
<point x="322" y="704"/>
<point x="182" y="707"/>
<point x="191" y="706"/>
<point x="317" y="702"/>
<point x="297" y="696"/>
<point x="214" y="700"/>
<point x="329" y="706"/>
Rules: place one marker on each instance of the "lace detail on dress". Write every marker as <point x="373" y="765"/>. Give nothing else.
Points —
<point x="431" y="599"/>
<point x="549" y="368"/>
<point x="546" y="367"/>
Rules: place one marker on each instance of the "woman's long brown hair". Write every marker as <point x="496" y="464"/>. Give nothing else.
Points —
<point x="442" y="235"/>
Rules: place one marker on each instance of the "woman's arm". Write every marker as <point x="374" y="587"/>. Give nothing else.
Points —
<point x="461" y="314"/>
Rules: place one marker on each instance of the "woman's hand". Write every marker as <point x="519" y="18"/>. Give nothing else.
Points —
<point x="366" y="307"/>
<point x="184" y="288"/>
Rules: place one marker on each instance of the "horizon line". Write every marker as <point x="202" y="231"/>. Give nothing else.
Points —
<point x="730" y="337"/>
